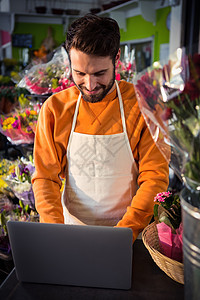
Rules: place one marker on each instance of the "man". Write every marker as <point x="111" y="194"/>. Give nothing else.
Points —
<point x="94" y="135"/>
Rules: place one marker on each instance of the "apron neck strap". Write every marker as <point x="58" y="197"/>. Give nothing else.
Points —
<point x="121" y="107"/>
<point x="76" y="113"/>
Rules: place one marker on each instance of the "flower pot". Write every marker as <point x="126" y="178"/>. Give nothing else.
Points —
<point x="191" y="243"/>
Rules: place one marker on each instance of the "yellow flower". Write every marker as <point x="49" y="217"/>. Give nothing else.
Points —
<point x="5" y="122"/>
<point x="11" y="169"/>
<point x="22" y="100"/>
<point x="154" y="82"/>
<point x="9" y="120"/>
<point x="23" y="115"/>
<point x="33" y="112"/>
<point x="2" y="183"/>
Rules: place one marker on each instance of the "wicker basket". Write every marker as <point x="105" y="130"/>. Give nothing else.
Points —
<point x="171" y="267"/>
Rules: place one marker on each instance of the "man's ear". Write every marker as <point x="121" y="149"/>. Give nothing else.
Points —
<point x="117" y="56"/>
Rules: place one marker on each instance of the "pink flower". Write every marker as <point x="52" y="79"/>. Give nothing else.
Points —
<point x="35" y="88"/>
<point x="15" y="124"/>
<point x="160" y="197"/>
<point x="65" y="85"/>
<point x="129" y="66"/>
<point x="58" y="89"/>
<point x="118" y="77"/>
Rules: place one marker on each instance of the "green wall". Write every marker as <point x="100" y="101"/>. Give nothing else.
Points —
<point x="39" y="32"/>
<point x="138" y="28"/>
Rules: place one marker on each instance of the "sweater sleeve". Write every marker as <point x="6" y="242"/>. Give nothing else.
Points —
<point x="49" y="162"/>
<point x="153" y="178"/>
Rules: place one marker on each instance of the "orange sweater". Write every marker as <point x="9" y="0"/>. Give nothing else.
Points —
<point x="51" y="139"/>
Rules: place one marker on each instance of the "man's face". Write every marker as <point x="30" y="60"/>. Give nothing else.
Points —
<point x="93" y="75"/>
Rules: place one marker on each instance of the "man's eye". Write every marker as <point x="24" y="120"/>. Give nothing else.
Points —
<point x="99" y="74"/>
<point x="80" y="74"/>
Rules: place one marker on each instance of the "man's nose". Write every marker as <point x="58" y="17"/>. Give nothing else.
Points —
<point x="90" y="82"/>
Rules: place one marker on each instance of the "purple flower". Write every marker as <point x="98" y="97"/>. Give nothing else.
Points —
<point x="21" y="167"/>
<point x="29" y="168"/>
<point x="27" y="197"/>
<point x="29" y="129"/>
<point x="26" y="170"/>
<point x="13" y="174"/>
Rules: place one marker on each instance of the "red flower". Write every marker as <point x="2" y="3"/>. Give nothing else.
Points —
<point x="27" y="112"/>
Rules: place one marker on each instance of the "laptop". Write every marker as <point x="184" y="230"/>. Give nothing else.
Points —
<point x="90" y="256"/>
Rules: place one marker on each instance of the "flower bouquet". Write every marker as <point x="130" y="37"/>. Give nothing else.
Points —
<point x="126" y="68"/>
<point x="50" y="77"/>
<point x="12" y="127"/>
<point x="19" y="181"/>
<point x="14" y="212"/>
<point x="29" y="116"/>
<point x="169" y="98"/>
<point x="11" y="208"/>
<point x="19" y="127"/>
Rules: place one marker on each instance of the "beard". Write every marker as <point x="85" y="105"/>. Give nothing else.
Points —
<point x="103" y="90"/>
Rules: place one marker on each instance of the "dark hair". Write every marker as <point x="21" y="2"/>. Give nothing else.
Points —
<point x="94" y="35"/>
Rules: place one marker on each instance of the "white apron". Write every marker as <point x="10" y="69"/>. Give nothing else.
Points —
<point x="100" y="176"/>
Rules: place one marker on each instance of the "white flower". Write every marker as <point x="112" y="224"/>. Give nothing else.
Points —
<point x="23" y="187"/>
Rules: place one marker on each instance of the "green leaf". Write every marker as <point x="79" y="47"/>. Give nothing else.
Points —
<point x="21" y="204"/>
<point x="156" y="210"/>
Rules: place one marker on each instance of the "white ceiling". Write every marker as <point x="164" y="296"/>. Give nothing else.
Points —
<point x="29" y="5"/>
